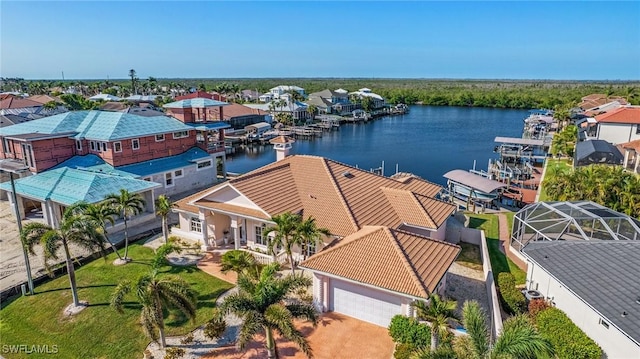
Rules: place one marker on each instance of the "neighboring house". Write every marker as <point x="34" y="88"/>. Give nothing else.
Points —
<point x="10" y="119"/>
<point x="297" y="109"/>
<point x="610" y="106"/>
<point x="143" y="109"/>
<point x="329" y="101"/>
<point x="283" y="89"/>
<point x="202" y="94"/>
<point x="238" y="116"/>
<point x="631" y="153"/>
<point x="43" y="99"/>
<point x="250" y="95"/>
<point x="379" y="272"/>
<point x="105" y="97"/>
<point x="267" y="97"/>
<point x="584" y="258"/>
<point x="620" y="125"/>
<point x="596" y="152"/>
<point x="13" y="105"/>
<point x="378" y="101"/>
<point x="178" y="155"/>
<point x="592" y="101"/>
<point x="596" y="284"/>
<point x="142" y="98"/>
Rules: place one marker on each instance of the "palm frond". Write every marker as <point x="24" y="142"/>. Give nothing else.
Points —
<point x="475" y="323"/>
<point x="280" y="319"/>
<point x="251" y="325"/>
<point x="122" y="289"/>
<point x="304" y="311"/>
<point x="519" y="339"/>
<point x="32" y="232"/>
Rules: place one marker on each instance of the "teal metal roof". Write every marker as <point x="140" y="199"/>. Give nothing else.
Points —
<point x="208" y="126"/>
<point x="98" y="125"/>
<point x="198" y="102"/>
<point x="92" y="163"/>
<point x="68" y="186"/>
<point x="165" y="164"/>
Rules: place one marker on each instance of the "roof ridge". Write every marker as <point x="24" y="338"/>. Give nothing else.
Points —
<point x="405" y="260"/>
<point x="343" y="200"/>
<point x="346" y="241"/>
<point x="260" y="171"/>
<point x="424" y="237"/>
<point x="415" y="201"/>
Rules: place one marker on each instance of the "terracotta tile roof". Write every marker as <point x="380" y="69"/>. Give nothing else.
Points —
<point x="396" y="260"/>
<point x="232" y="208"/>
<point x="17" y="102"/>
<point x="629" y="114"/>
<point x="42" y="99"/>
<point x="236" y="110"/>
<point x="185" y="203"/>
<point x="201" y="94"/>
<point x="340" y="197"/>
<point x="282" y="140"/>
<point x="598" y="99"/>
<point x="633" y="145"/>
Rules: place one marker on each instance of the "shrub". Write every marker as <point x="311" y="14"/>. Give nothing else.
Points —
<point x="404" y="351"/>
<point x="174" y="353"/>
<point x="215" y="327"/>
<point x="512" y="299"/>
<point x="188" y="339"/>
<point x="536" y="306"/>
<point x="405" y="330"/>
<point x="569" y="341"/>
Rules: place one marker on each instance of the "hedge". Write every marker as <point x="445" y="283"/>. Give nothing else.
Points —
<point x="569" y="341"/>
<point x="405" y="330"/>
<point x="512" y="298"/>
<point x="404" y="351"/>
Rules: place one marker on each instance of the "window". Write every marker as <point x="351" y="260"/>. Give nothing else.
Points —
<point x="104" y="147"/>
<point x="204" y="164"/>
<point x="168" y="179"/>
<point x="27" y="155"/>
<point x="79" y="145"/>
<point x="6" y="146"/>
<point x="160" y="137"/>
<point x="117" y="147"/>
<point x="196" y="225"/>
<point x="260" y="239"/>
<point x="312" y="247"/>
<point x="180" y="134"/>
<point x="178" y="173"/>
<point x="603" y="323"/>
<point x="93" y="145"/>
<point x="135" y="144"/>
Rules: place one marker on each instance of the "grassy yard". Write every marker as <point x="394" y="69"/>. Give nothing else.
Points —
<point x="99" y="331"/>
<point x="499" y="261"/>
<point x="470" y="256"/>
<point x="562" y="165"/>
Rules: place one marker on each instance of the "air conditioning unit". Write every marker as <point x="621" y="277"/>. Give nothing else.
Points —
<point x="533" y="294"/>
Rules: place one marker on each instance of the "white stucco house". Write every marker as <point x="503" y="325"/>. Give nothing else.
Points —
<point x="596" y="284"/>
<point x="621" y="125"/>
<point x="283" y="89"/>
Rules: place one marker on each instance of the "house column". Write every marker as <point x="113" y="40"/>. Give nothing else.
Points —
<point x="626" y="158"/>
<point x="224" y="166"/>
<point x="635" y="168"/>
<point x="324" y="284"/>
<point x="21" y="211"/>
<point x="236" y="237"/>
<point x="206" y="245"/>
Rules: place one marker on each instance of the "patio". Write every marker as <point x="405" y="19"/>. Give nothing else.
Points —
<point x="336" y="336"/>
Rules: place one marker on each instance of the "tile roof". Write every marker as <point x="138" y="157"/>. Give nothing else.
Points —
<point x="596" y="100"/>
<point x="340" y="197"/>
<point x="92" y="163"/>
<point x="17" y="102"/>
<point x="604" y="274"/>
<point x="44" y="98"/>
<point x="68" y="186"/>
<point x="633" y="145"/>
<point x="202" y="94"/>
<point x="232" y="208"/>
<point x="165" y="164"/>
<point x="396" y="260"/>
<point x="237" y="110"/>
<point x="195" y="103"/>
<point x="630" y="114"/>
<point x="99" y="125"/>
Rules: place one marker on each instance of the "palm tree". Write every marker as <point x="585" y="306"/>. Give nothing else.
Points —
<point x="163" y="208"/>
<point x="101" y="213"/>
<point x="74" y="228"/>
<point x="134" y="81"/>
<point x="438" y="312"/>
<point x="155" y="295"/>
<point x="127" y="204"/>
<point x="518" y="339"/>
<point x="241" y="262"/>
<point x="307" y="234"/>
<point x="266" y="305"/>
<point x="312" y="110"/>
<point x="286" y="225"/>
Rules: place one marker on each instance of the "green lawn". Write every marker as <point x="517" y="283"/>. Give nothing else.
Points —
<point x="99" y="331"/>
<point x="562" y="165"/>
<point x="470" y="256"/>
<point x="499" y="261"/>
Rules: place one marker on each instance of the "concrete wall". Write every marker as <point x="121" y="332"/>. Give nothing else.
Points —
<point x="617" y="132"/>
<point x="613" y="342"/>
<point x="492" y="294"/>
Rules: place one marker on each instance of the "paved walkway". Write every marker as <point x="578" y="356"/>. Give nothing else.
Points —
<point x="503" y="225"/>
<point x="210" y="264"/>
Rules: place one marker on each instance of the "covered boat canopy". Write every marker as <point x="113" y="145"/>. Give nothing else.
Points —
<point x="474" y="181"/>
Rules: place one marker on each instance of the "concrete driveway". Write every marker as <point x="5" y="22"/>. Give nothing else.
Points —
<point x="336" y="336"/>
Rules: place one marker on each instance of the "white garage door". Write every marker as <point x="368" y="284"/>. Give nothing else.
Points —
<point x="364" y="303"/>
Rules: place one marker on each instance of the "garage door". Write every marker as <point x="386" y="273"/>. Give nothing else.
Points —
<point x="364" y="303"/>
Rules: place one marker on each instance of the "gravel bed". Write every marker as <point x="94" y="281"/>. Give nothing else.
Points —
<point x="467" y="284"/>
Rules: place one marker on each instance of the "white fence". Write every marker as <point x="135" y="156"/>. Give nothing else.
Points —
<point x="265" y="259"/>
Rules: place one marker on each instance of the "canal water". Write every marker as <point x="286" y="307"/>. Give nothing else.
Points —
<point x="428" y="141"/>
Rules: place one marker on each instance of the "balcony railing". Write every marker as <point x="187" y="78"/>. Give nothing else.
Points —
<point x="212" y="147"/>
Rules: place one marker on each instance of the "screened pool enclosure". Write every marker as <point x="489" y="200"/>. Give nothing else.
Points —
<point x="557" y="221"/>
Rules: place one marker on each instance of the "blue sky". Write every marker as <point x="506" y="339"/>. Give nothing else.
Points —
<point x="517" y="40"/>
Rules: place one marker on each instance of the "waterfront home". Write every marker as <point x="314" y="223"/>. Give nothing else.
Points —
<point x="142" y="109"/>
<point x="329" y="101"/>
<point x="407" y="221"/>
<point x="249" y="95"/>
<point x="278" y="91"/>
<point x="238" y="116"/>
<point x="617" y="126"/>
<point x="593" y="101"/>
<point x="202" y="94"/>
<point x="378" y="101"/>
<point x="584" y="259"/>
<point x="596" y="152"/>
<point x="267" y="97"/>
<point x="105" y="97"/>
<point x="297" y="109"/>
<point x="631" y="153"/>
<point x="177" y="155"/>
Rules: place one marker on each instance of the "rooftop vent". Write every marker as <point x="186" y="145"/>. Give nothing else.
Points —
<point x="347" y="174"/>
<point x="624" y="314"/>
<point x="638" y="300"/>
